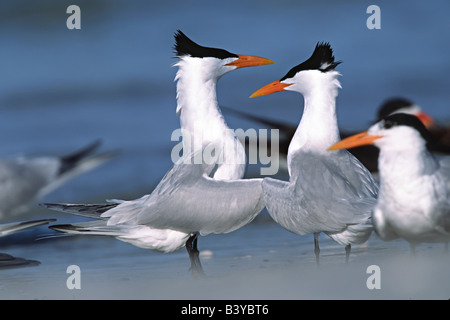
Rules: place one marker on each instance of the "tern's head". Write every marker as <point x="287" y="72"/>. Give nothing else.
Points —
<point x="306" y="75"/>
<point x="402" y="105"/>
<point x="212" y="62"/>
<point x="397" y="131"/>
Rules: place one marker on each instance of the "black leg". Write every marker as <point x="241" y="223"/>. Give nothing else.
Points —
<point x="348" y="248"/>
<point x="191" y="246"/>
<point x="316" y="247"/>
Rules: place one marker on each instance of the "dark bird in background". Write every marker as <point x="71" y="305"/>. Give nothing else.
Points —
<point x="368" y="155"/>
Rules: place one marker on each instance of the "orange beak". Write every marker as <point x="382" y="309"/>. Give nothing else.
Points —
<point x="270" y="88"/>
<point x="359" y="139"/>
<point x="249" y="61"/>
<point x="426" y="119"/>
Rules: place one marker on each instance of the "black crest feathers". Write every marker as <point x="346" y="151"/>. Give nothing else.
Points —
<point x="186" y="47"/>
<point x="322" y="59"/>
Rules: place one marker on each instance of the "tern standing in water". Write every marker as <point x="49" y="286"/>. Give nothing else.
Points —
<point x="193" y="198"/>
<point x="330" y="192"/>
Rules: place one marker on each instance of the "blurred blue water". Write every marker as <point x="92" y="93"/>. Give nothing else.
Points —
<point x="113" y="79"/>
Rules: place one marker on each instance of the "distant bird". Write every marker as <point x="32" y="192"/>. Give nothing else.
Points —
<point x="194" y="198"/>
<point x="368" y="155"/>
<point x="414" y="198"/>
<point x="9" y="262"/>
<point x="12" y="227"/>
<point x="330" y="192"/>
<point x="24" y="181"/>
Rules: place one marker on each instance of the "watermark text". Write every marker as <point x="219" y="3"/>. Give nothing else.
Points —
<point x="262" y="146"/>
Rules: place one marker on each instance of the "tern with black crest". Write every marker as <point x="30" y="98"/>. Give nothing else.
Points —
<point x="194" y="198"/>
<point x="330" y="192"/>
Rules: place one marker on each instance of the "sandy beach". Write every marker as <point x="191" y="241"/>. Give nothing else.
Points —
<point x="259" y="261"/>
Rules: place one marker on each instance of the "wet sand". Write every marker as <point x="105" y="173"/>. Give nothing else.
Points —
<point x="259" y="261"/>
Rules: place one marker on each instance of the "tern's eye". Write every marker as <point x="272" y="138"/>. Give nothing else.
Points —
<point x="388" y="124"/>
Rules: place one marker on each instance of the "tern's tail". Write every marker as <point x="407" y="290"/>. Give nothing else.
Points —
<point x="85" y="210"/>
<point x="97" y="227"/>
<point x="142" y="236"/>
<point x="94" y="211"/>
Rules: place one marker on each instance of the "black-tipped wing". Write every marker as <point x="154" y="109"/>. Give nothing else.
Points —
<point x="8" y="228"/>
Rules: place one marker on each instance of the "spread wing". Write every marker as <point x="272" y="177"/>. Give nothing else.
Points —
<point x="188" y="200"/>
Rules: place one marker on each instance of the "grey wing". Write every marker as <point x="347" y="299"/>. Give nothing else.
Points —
<point x="206" y="206"/>
<point x="183" y="173"/>
<point x="351" y="175"/>
<point x="186" y="171"/>
<point x="340" y="186"/>
<point x="441" y="215"/>
<point x="285" y="206"/>
<point x="188" y="200"/>
<point x="444" y="170"/>
<point x="340" y="175"/>
<point x="328" y="193"/>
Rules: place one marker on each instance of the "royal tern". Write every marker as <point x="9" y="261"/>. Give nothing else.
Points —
<point x="193" y="198"/>
<point x="368" y="155"/>
<point x="201" y="120"/>
<point x="24" y="181"/>
<point x="327" y="192"/>
<point x="414" y="198"/>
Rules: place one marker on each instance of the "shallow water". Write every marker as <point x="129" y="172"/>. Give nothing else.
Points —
<point x="241" y="265"/>
<point x="61" y="89"/>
